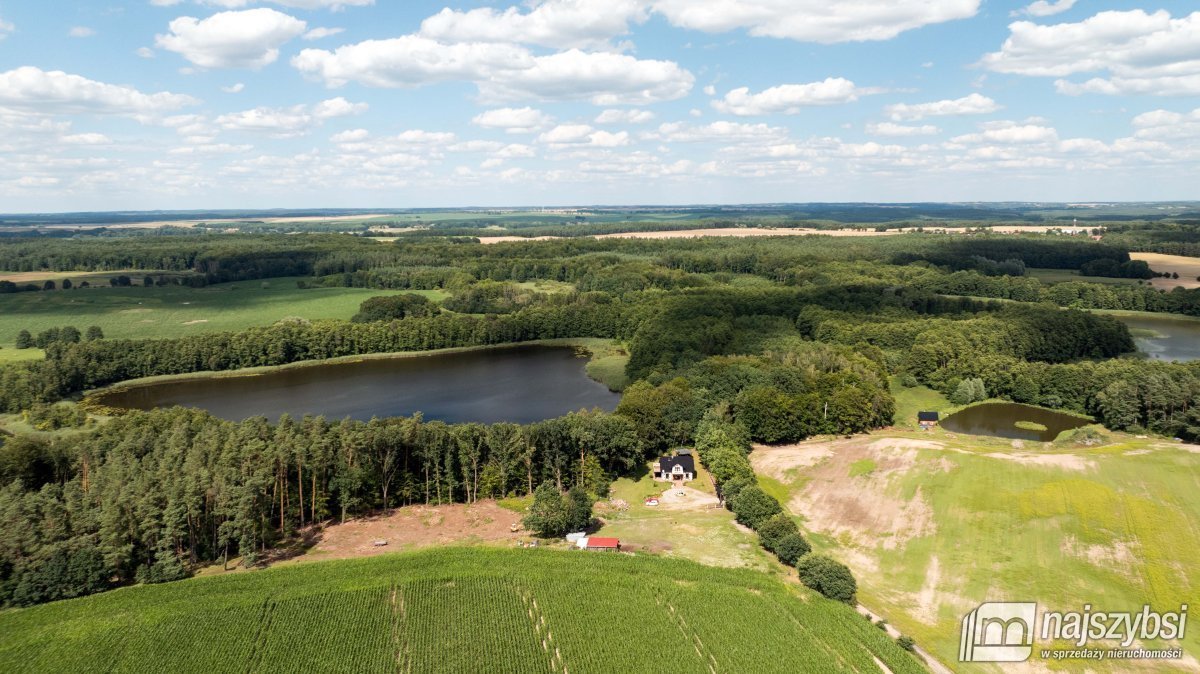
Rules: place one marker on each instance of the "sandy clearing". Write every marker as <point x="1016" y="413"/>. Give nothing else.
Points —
<point x="1188" y="269"/>
<point x="195" y="322"/>
<point x="776" y="461"/>
<point x="1063" y="461"/>
<point x="417" y="527"/>
<point x="1119" y="556"/>
<point x="862" y="511"/>
<point x="686" y="498"/>
<point x="883" y="444"/>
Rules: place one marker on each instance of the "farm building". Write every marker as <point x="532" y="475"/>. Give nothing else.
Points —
<point x="927" y="419"/>
<point x="679" y="468"/>
<point x="603" y="544"/>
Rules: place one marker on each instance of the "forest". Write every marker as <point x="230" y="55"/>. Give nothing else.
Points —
<point x="769" y="340"/>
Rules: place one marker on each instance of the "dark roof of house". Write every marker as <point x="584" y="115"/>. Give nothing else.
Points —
<point x="927" y="416"/>
<point x="667" y="463"/>
<point x="597" y="542"/>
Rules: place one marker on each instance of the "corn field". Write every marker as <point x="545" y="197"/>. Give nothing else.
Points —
<point x="455" y="610"/>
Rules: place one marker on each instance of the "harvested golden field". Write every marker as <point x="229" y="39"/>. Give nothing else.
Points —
<point x="1188" y="269"/>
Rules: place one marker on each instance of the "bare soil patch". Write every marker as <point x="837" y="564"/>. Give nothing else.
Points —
<point x="417" y="527"/>
<point x="864" y="510"/>
<point x="778" y="460"/>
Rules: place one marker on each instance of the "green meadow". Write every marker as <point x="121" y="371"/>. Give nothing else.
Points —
<point x="933" y="524"/>
<point x="175" y="311"/>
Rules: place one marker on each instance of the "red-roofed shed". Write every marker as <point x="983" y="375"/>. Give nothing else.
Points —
<point x="598" y="543"/>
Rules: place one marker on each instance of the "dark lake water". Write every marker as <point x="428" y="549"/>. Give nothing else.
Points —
<point x="1176" y="338"/>
<point x="518" y="384"/>
<point x="998" y="419"/>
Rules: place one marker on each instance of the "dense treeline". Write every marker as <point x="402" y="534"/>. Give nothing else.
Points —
<point x="148" y="495"/>
<point x="1181" y="238"/>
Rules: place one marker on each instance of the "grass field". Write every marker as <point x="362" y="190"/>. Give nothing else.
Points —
<point x="456" y="610"/>
<point x="1061" y="275"/>
<point x="176" y="311"/>
<point x="943" y="522"/>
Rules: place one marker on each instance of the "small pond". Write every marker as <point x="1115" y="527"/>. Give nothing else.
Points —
<point x="517" y="384"/>
<point x="1165" y="337"/>
<point x="1000" y="419"/>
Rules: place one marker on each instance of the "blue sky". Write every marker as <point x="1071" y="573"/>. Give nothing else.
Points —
<point x="149" y="104"/>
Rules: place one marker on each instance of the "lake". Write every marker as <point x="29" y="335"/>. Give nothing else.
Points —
<point x="1174" y="338"/>
<point x="998" y="419"/>
<point x="518" y="384"/>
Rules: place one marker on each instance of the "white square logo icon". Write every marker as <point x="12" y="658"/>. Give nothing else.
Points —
<point x="998" y="632"/>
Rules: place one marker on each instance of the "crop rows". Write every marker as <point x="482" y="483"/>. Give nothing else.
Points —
<point x="467" y="610"/>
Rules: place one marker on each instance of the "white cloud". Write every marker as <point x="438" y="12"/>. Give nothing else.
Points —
<point x="900" y="130"/>
<point x="710" y="90"/>
<point x="234" y="88"/>
<point x="86" y="139"/>
<point x="974" y="104"/>
<point x="513" y="120"/>
<point x="320" y="33"/>
<point x="6" y="28"/>
<point x="351" y="136"/>
<point x="145" y="52"/>
<point x="246" y="39"/>
<point x="789" y="99"/>
<point x="81" y="31"/>
<point x="501" y="71"/>
<point x="583" y="135"/>
<point x="54" y="91"/>
<point x="1141" y="53"/>
<point x="1010" y="133"/>
<point x="722" y="131"/>
<point x="550" y="23"/>
<point x="335" y="5"/>
<point x="814" y="20"/>
<point x="1045" y="8"/>
<point x="614" y="116"/>
<point x="210" y="149"/>
<point x="297" y="120"/>
<point x="1167" y="125"/>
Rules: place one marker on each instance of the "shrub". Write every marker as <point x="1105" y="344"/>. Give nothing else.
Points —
<point x="827" y="576"/>
<point x="791" y="548"/>
<point x="773" y="530"/>
<point x="731" y="488"/>
<point x="548" y="515"/>
<point x="390" y="307"/>
<point x="24" y="340"/>
<point x="906" y="642"/>
<point x="578" y="509"/>
<point x="752" y="506"/>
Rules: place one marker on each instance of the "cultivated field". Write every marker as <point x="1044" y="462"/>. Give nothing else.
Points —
<point x="773" y="231"/>
<point x="457" y="610"/>
<point x="1188" y="269"/>
<point x="933" y="524"/>
<point x="176" y="311"/>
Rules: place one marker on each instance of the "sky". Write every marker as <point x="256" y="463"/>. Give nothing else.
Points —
<point x="210" y="104"/>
